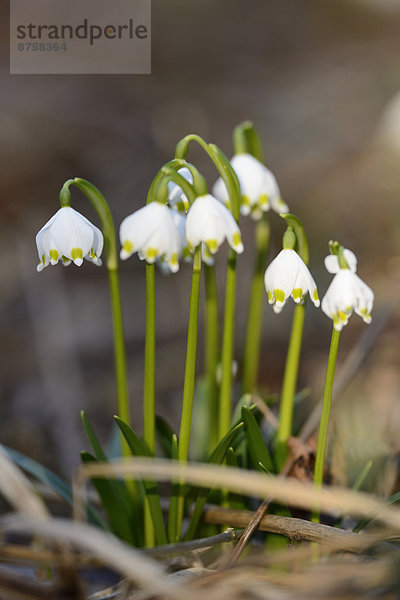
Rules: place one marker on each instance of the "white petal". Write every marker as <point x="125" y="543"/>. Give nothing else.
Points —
<point x="252" y="175"/>
<point x="151" y="231"/>
<point x="280" y="277"/>
<point x="70" y="235"/>
<point x="257" y="184"/>
<point x="331" y="263"/>
<point x="134" y="230"/>
<point x="211" y="222"/>
<point x="220" y="192"/>
<point x="340" y="298"/>
<point x="365" y="299"/>
<point x="71" y="231"/>
<point x="351" y="259"/>
<point x="305" y="281"/>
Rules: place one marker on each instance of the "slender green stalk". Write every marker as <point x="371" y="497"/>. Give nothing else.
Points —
<point x="110" y="246"/>
<point x="289" y="383"/>
<point x="119" y="350"/>
<point x="225" y="399"/>
<point x="149" y="361"/>
<point x="190" y="366"/>
<point x="190" y="371"/>
<point x="232" y="184"/>
<point x="324" y="422"/>
<point x="211" y="347"/>
<point x="255" y="312"/>
<point x="149" y="387"/>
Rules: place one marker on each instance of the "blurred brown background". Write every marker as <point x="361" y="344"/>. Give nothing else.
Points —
<point x="321" y="81"/>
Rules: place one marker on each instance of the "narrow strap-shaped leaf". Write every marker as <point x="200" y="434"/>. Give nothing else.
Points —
<point x="216" y="457"/>
<point x="173" y="534"/>
<point x="94" y="442"/>
<point x="53" y="481"/>
<point x="164" y="434"/>
<point x="117" y="515"/>
<point x="138" y="448"/>
<point x="129" y="500"/>
<point x="257" y="448"/>
<point x="245" y="400"/>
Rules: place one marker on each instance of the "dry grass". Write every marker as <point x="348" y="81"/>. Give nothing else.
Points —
<point x="347" y="564"/>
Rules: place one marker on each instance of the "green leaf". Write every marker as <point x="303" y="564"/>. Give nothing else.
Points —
<point x="129" y="500"/>
<point x="115" y="509"/>
<point x="216" y="457"/>
<point x="164" y="434"/>
<point x="257" y="447"/>
<point x="139" y="448"/>
<point x="244" y="400"/>
<point x="53" y="481"/>
<point x="97" y="449"/>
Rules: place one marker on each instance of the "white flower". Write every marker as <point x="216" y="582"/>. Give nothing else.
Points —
<point x="347" y="292"/>
<point x="176" y="197"/>
<point x="286" y="276"/>
<point x="68" y="236"/>
<point x="259" y="188"/>
<point x="209" y="221"/>
<point x="152" y="233"/>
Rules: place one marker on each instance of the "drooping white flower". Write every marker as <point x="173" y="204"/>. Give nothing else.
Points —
<point x="151" y="231"/>
<point x="347" y="292"/>
<point x="68" y="236"/>
<point x="176" y="197"/>
<point x="258" y="185"/>
<point x="286" y="276"/>
<point x="209" y="221"/>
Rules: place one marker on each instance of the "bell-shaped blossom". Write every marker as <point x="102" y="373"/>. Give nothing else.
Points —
<point x="152" y="233"/>
<point x="258" y="186"/>
<point x="286" y="276"/>
<point x="347" y="292"/>
<point x="176" y="197"/>
<point x="209" y="221"/>
<point x="68" y="236"/>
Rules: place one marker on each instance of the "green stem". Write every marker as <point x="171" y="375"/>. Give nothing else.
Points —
<point x="110" y="247"/>
<point x="190" y="366"/>
<point x="211" y="351"/>
<point x="119" y="349"/>
<point x="289" y="383"/>
<point x="225" y="399"/>
<point x="324" y="422"/>
<point x="149" y="361"/>
<point x="232" y="185"/>
<point x="190" y="371"/>
<point x="255" y="312"/>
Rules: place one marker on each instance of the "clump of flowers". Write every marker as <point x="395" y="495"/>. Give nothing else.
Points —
<point x="182" y="220"/>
